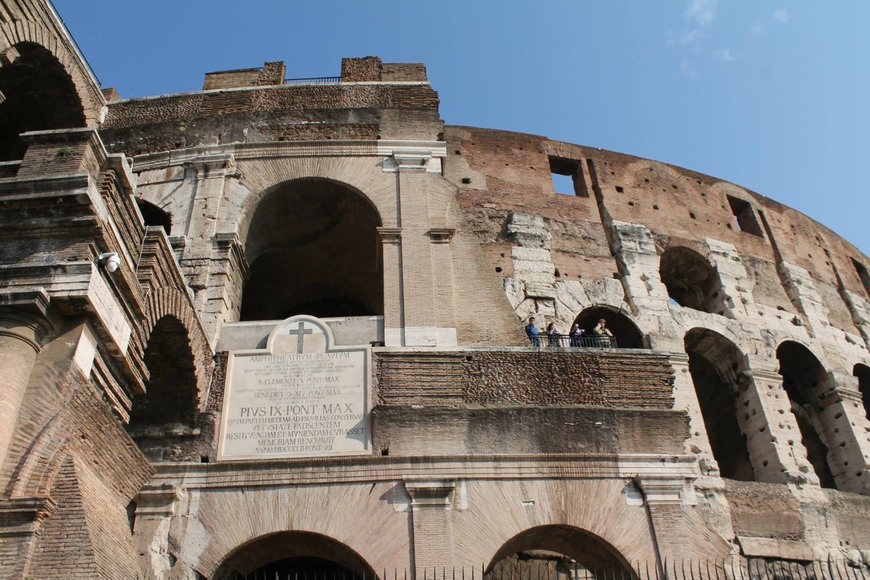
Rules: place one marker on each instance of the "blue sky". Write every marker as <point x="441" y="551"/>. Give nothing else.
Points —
<point x="771" y="95"/>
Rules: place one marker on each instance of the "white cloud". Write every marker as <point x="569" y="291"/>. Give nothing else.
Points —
<point x="701" y="12"/>
<point x="781" y="15"/>
<point x="725" y="55"/>
<point x="688" y="69"/>
<point x="758" y="29"/>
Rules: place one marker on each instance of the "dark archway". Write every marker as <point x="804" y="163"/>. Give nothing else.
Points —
<point x="163" y="418"/>
<point x="624" y="330"/>
<point x="572" y="549"/>
<point x="863" y="374"/>
<point x="802" y="377"/>
<point x="716" y="366"/>
<point x="691" y="280"/>
<point x="154" y="216"/>
<point x="38" y="95"/>
<point x="295" y="554"/>
<point x="314" y="249"/>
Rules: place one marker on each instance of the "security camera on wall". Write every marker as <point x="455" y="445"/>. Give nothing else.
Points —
<point x="111" y="261"/>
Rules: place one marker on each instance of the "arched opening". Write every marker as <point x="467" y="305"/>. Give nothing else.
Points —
<point x="295" y="554"/>
<point x="802" y="375"/>
<point x="154" y="216"/>
<point x="38" y="95"/>
<point x="572" y="552"/>
<point x="623" y="328"/>
<point x="691" y="280"/>
<point x="163" y="419"/>
<point x="863" y="374"/>
<point x="313" y="248"/>
<point x="716" y="366"/>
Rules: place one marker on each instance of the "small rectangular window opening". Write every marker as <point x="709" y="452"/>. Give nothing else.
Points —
<point x="744" y="217"/>
<point x="863" y="274"/>
<point x="567" y="177"/>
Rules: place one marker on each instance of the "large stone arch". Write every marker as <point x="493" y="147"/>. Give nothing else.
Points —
<point x="313" y="247"/>
<point x="718" y="370"/>
<point x="25" y="31"/>
<point x="583" y="549"/>
<point x="804" y="380"/>
<point x="293" y="552"/>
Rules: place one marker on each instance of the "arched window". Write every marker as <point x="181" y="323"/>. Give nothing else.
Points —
<point x="313" y="248"/>
<point x="691" y="280"/>
<point x="716" y="366"/>
<point x="625" y="332"/>
<point x="863" y="374"/>
<point x="579" y="553"/>
<point x="38" y="95"/>
<point x="802" y="375"/>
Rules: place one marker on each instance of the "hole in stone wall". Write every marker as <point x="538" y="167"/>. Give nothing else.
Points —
<point x="154" y="216"/>
<point x="744" y="217"/>
<point x="691" y="280"/>
<point x="863" y="275"/>
<point x="863" y="374"/>
<point x="567" y="176"/>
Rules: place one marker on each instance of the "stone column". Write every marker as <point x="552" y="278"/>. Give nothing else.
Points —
<point x="842" y="420"/>
<point x="20" y="337"/>
<point x="432" y="526"/>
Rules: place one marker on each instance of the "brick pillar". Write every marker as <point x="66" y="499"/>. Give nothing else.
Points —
<point x="433" y="530"/>
<point x="842" y="419"/>
<point x="20" y="337"/>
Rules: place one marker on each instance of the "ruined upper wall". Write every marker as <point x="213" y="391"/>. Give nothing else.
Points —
<point x="499" y="172"/>
<point x="370" y="101"/>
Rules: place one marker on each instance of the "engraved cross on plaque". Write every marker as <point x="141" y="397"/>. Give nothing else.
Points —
<point x="300" y="332"/>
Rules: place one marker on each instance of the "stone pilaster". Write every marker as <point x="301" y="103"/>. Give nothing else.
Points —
<point x="772" y="434"/>
<point x="841" y="416"/>
<point x="432" y="527"/>
<point x="155" y="506"/>
<point x="686" y="399"/>
<point x="736" y="284"/>
<point x="391" y="247"/>
<point x="802" y="291"/>
<point x="638" y="260"/>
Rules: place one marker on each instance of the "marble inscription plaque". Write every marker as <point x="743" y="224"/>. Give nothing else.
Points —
<point x="309" y="401"/>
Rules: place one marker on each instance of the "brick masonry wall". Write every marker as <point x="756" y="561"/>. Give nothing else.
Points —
<point x="535" y="377"/>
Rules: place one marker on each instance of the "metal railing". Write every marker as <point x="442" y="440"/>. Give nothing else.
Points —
<point x="313" y="81"/>
<point x="734" y="569"/>
<point x="567" y="341"/>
